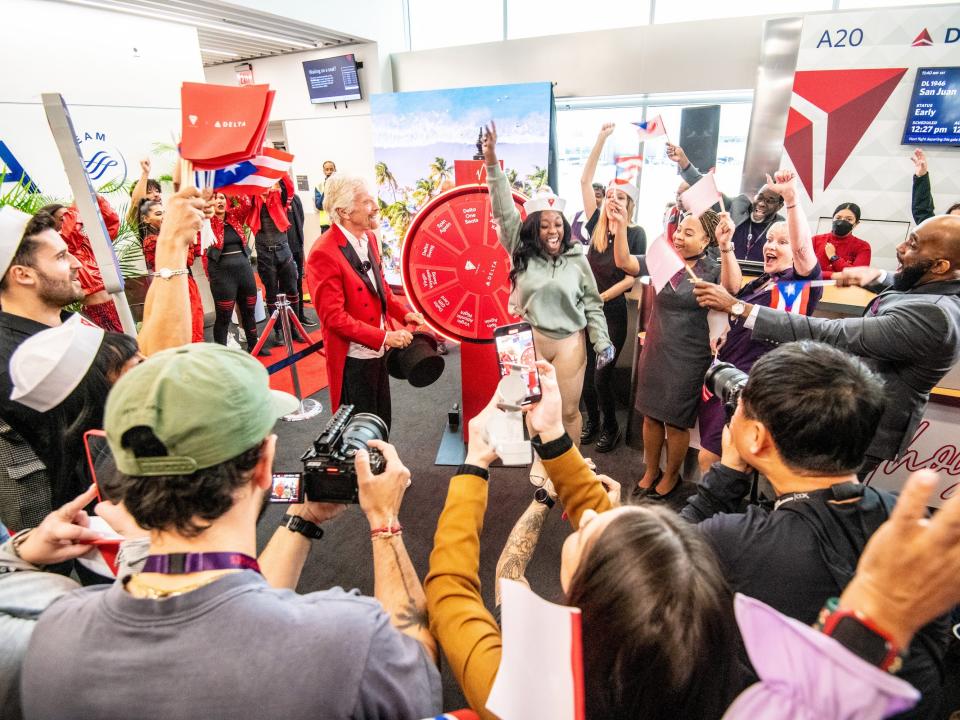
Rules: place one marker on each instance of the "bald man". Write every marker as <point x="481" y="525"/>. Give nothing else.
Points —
<point x="910" y="332"/>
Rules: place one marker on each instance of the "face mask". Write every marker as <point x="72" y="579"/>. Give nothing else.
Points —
<point x="842" y="227"/>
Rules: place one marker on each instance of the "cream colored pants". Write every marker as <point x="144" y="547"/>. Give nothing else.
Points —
<point x="569" y="357"/>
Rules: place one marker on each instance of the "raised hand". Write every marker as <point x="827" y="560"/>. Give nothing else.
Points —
<point x="546" y="417"/>
<point x="605" y="130"/>
<point x="489" y="143"/>
<point x="784" y="184"/>
<point x="676" y="153"/>
<point x="145" y="167"/>
<point x="856" y="276"/>
<point x="724" y="231"/>
<point x="919" y="163"/>
<point x="381" y="495"/>
<point x="62" y="535"/>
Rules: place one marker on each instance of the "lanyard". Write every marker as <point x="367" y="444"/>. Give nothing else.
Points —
<point x="182" y="563"/>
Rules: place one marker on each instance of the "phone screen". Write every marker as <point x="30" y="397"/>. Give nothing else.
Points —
<point x="515" y="347"/>
<point x="287" y="488"/>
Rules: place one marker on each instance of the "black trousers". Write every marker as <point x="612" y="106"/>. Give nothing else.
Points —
<point x="276" y="269"/>
<point x="232" y="285"/>
<point x="599" y="396"/>
<point x="366" y="386"/>
<point x="298" y="259"/>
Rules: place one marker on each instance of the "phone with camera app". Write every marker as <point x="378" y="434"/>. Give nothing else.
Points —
<point x="515" y="348"/>
<point x="287" y="487"/>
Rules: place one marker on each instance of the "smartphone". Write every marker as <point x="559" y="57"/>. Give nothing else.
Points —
<point x="515" y="347"/>
<point x="100" y="461"/>
<point x="287" y="487"/>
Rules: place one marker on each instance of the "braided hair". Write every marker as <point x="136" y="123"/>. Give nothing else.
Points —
<point x="709" y="221"/>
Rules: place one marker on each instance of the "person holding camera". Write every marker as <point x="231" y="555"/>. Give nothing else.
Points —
<point x="181" y="638"/>
<point x="804" y="420"/>
<point x="353" y="300"/>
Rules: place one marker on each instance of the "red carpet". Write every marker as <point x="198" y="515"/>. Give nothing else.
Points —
<point x="312" y="370"/>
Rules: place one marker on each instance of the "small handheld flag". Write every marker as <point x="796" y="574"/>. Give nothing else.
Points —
<point x="651" y="128"/>
<point x="271" y="166"/>
<point x="663" y="262"/>
<point x="230" y="175"/>
<point x="702" y="196"/>
<point x="628" y="168"/>
<point x="791" y="296"/>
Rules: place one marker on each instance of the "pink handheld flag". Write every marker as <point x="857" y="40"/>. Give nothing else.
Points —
<point x="701" y="196"/>
<point x="651" y="128"/>
<point x="663" y="262"/>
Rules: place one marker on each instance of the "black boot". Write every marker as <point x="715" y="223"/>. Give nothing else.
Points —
<point x="589" y="431"/>
<point x="252" y="343"/>
<point x="608" y="439"/>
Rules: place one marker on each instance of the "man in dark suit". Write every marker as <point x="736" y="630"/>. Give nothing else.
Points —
<point x="295" y="238"/>
<point x="353" y="300"/>
<point x="910" y="332"/>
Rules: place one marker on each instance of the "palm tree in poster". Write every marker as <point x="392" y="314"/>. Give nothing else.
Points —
<point x="383" y="177"/>
<point x="538" y="178"/>
<point x="422" y="192"/>
<point x="398" y="216"/>
<point x="440" y="171"/>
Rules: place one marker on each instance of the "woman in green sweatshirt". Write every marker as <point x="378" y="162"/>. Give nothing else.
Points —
<point x="553" y="286"/>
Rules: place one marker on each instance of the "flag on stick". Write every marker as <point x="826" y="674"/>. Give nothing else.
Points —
<point x="628" y="168"/>
<point x="790" y="296"/>
<point x="701" y="196"/>
<point x="230" y="175"/>
<point x="271" y="166"/>
<point x="663" y="262"/>
<point x="651" y="128"/>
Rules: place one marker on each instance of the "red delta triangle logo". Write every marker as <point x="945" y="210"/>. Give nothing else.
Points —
<point x="851" y="99"/>
<point x="923" y="39"/>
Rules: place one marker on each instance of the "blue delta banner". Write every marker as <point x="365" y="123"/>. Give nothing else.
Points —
<point x="12" y="170"/>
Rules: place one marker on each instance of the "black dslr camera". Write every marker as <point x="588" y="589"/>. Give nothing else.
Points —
<point x="726" y="382"/>
<point x="328" y="471"/>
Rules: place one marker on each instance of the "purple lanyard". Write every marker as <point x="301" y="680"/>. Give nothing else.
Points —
<point x="182" y="563"/>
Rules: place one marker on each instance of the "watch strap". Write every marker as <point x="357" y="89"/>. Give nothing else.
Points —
<point x="542" y="496"/>
<point x="860" y="635"/>
<point x="467" y="469"/>
<point x="295" y="523"/>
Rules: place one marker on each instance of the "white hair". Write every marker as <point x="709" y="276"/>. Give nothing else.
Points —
<point x="340" y="193"/>
<point x="779" y="227"/>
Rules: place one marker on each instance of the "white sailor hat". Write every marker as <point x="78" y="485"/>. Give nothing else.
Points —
<point x="628" y="187"/>
<point x="545" y="199"/>
<point x="13" y="223"/>
<point x="48" y="366"/>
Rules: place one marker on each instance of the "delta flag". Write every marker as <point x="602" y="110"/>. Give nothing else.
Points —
<point x="790" y="296"/>
<point x="651" y="128"/>
<point x="271" y="166"/>
<point x="628" y="168"/>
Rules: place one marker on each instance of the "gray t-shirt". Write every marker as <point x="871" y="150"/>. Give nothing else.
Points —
<point x="235" y="648"/>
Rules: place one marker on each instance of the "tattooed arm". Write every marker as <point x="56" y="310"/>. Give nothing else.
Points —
<point x="520" y="545"/>
<point x="395" y="582"/>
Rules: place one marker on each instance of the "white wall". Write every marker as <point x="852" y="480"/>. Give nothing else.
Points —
<point x="681" y="57"/>
<point x="119" y="74"/>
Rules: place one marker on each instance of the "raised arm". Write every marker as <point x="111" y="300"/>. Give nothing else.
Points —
<point x="730" y="275"/>
<point x="624" y="259"/>
<point x="395" y="582"/>
<point x="166" y="312"/>
<point x="505" y="213"/>
<point x="804" y="258"/>
<point x="139" y="191"/>
<point x="465" y="629"/>
<point x="590" y="169"/>
<point x="922" y="199"/>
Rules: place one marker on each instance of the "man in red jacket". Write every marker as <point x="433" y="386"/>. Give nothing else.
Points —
<point x="353" y="300"/>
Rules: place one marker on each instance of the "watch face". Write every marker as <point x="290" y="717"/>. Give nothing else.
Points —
<point x="860" y="639"/>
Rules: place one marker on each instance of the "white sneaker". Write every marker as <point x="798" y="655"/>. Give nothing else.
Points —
<point x="232" y="342"/>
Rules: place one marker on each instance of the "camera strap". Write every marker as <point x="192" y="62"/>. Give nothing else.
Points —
<point x="183" y="563"/>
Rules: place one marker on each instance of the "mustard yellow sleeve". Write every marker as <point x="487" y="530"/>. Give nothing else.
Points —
<point x="576" y="484"/>
<point x="466" y="630"/>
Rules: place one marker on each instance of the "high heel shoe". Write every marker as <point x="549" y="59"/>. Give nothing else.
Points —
<point x="669" y="495"/>
<point x="642" y="492"/>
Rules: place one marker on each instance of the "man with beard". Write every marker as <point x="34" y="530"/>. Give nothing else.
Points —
<point x="910" y="332"/>
<point x="753" y="217"/>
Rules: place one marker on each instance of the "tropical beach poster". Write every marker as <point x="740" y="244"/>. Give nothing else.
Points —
<point x="417" y="136"/>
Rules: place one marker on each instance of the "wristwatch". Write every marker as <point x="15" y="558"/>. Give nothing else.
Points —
<point x="543" y="497"/>
<point x="167" y="273"/>
<point x="295" y="523"/>
<point x="860" y="635"/>
<point x="738" y="308"/>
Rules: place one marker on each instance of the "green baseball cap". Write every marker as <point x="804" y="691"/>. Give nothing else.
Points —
<point x="205" y="402"/>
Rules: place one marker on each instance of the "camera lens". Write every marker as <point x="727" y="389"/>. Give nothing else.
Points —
<point x="362" y="428"/>
<point x="725" y="381"/>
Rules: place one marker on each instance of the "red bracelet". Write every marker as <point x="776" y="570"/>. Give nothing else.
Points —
<point x="387" y="531"/>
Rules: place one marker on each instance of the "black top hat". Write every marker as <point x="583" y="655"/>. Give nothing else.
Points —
<point x="419" y="362"/>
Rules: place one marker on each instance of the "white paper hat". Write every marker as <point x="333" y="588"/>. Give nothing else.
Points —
<point x="628" y="187"/>
<point x="545" y="199"/>
<point x="48" y="366"/>
<point x="13" y="223"/>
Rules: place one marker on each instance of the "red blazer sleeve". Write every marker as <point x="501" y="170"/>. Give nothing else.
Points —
<point x="325" y="280"/>
<point x="110" y="217"/>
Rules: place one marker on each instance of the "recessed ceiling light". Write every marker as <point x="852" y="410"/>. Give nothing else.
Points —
<point x="219" y="52"/>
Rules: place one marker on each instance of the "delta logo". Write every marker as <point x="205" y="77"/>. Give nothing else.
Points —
<point x="842" y="105"/>
<point x="923" y="39"/>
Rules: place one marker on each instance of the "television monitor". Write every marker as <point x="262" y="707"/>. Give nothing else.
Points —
<point x="332" y="79"/>
<point x="934" y="114"/>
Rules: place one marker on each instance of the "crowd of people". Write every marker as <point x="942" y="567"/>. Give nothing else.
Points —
<point x="834" y="599"/>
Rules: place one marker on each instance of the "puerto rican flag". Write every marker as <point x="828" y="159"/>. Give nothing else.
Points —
<point x="790" y="296"/>
<point x="628" y="168"/>
<point x="270" y="165"/>
<point x="230" y="175"/>
<point x="651" y="128"/>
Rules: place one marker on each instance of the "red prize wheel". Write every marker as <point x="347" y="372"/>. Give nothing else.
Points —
<point x="455" y="271"/>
